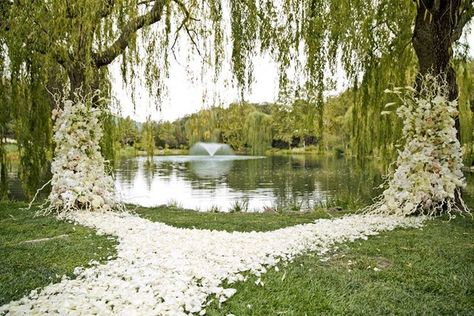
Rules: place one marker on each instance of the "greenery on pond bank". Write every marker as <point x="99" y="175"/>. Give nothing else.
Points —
<point x="129" y="151"/>
<point x="421" y="271"/>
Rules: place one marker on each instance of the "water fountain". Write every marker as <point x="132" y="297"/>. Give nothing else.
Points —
<point x="210" y="149"/>
<point x="209" y="176"/>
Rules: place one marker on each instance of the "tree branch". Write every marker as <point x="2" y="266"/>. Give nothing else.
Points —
<point x="106" y="56"/>
<point x="187" y="17"/>
<point x="57" y="52"/>
<point x="5" y="14"/>
<point x="106" y="9"/>
<point x="182" y="6"/>
<point x="465" y="16"/>
<point x="145" y="2"/>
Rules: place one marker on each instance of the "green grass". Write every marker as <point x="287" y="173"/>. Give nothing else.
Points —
<point x="427" y="271"/>
<point x="422" y="272"/>
<point x="244" y="222"/>
<point x="25" y="266"/>
<point x="129" y="151"/>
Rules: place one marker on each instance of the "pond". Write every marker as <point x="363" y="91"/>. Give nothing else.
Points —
<point x="247" y="183"/>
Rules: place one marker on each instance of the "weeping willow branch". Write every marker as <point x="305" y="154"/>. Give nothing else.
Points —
<point x="106" y="9"/>
<point x="4" y="14"/>
<point x="185" y="10"/>
<point x="109" y="54"/>
<point x="59" y="53"/>
<point x="187" y="17"/>
<point x="467" y="13"/>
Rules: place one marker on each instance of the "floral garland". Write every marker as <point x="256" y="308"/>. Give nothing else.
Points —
<point x="428" y="176"/>
<point x="79" y="180"/>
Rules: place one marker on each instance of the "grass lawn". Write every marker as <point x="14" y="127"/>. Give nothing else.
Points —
<point x="403" y="272"/>
<point x="428" y="271"/>
<point x="28" y="262"/>
<point x="244" y="222"/>
<point x="420" y="272"/>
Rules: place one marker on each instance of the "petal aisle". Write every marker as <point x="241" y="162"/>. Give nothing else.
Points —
<point x="163" y="270"/>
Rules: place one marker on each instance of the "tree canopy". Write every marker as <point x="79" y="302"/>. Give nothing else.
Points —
<point x="310" y="37"/>
<point x="57" y="44"/>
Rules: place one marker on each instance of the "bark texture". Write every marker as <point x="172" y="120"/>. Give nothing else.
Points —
<point x="433" y="37"/>
<point x="438" y="24"/>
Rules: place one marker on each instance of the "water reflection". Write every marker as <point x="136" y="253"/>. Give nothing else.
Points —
<point x="202" y="182"/>
<point x="211" y="168"/>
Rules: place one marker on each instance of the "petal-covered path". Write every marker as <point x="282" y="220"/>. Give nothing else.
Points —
<point x="163" y="270"/>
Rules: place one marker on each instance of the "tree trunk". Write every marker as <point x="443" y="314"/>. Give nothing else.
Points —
<point x="79" y="83"/>
<point x="433" y="37"/>
<point x="77" y="78"/>
<point x="437" y="27"/>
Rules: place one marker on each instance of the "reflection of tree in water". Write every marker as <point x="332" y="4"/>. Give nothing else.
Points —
<point x="127" y="170"/>
<point x="208" y="173"/>
<point x="346" y="179"/>
<point x="293" y="181"/>
<point x="149" y="173"/>
<point x="300" y="180"/>
<point x="211" y="168"/>
<point x="165" y="168"/>
<point x="288" y="178"/>
<point x="250" y="174"/>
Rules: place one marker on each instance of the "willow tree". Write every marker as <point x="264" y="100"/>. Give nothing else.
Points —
<point x="5" y="117"/>
<point x="65" y="47"/>
<point x="465" y="74"/>
<point x="5" y="113"/>
<point x="369" y="39"/>
<point x="438" y="25"/>
<point x="232" y="125"/>
<point x="148" y="138"/>
<point x="258" y="127"/>
<point x="308" y="122"/>
<point x="203" y="126"/>
<point x="283" y="123"/>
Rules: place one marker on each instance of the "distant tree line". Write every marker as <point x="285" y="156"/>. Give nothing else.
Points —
<point x="250" y="128"/>
<point x="255" y="128"/>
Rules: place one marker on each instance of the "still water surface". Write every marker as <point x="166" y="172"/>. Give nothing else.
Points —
<point x="284" y="182"/>
<point x="278" y="182"/>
